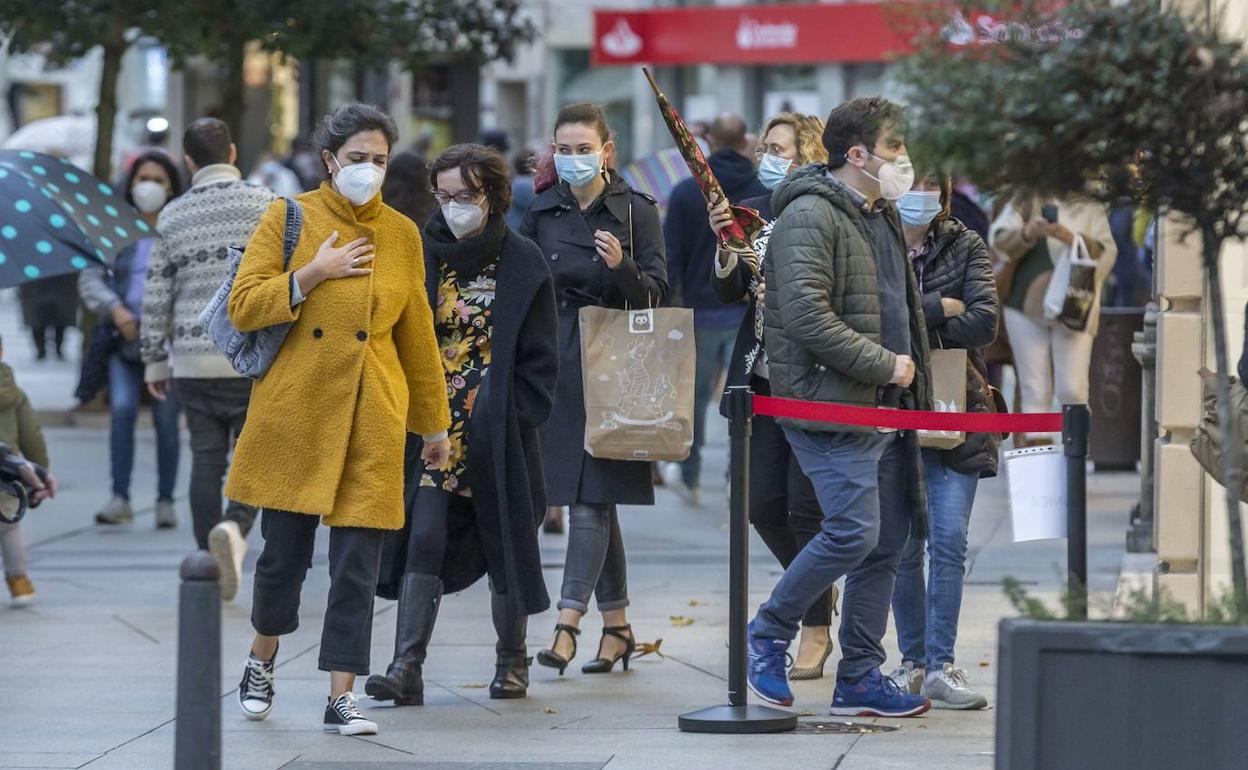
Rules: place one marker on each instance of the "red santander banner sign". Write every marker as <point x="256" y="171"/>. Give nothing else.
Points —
<point x="748" y="34"/>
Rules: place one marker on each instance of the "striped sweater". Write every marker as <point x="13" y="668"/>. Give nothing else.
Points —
<point x="187" y="266"/>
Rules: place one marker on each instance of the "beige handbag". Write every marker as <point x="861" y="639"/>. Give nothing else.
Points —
<point x="638" y="370"/>
<point x="948" y="395"/>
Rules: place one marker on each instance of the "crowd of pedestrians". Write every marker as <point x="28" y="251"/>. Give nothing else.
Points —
<point x="428" y="401"/>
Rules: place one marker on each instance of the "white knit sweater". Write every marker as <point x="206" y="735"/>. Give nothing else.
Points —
<point x="187" y="266"/>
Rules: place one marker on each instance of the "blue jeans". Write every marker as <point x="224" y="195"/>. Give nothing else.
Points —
<point x="861" y="480"/>
<point x="927" y="619"/>
<point x="714" y="352"/>
<point x="125" y="386"/>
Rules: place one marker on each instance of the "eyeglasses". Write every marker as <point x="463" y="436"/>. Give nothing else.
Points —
<point x="467" y="197"/>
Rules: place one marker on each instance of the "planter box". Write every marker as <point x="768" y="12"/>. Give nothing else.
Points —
<point x="1121" y="696"/>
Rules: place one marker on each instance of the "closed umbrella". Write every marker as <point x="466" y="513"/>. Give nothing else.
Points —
<point x="56" y="218"/>
<point x="746" y="222"/>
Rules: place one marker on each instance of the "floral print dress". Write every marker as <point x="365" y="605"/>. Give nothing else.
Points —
<point x="463" y="325"/>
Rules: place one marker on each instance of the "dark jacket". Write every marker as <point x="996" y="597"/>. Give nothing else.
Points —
<point x="822" y="319"/>
<point x="822" y="323"/>
<point x="691" y="243"/>
<point x="735" y="287"/>
<point x="565" y="235"/>
<point x="495" y="531"/>
<point x="957" y="265"/>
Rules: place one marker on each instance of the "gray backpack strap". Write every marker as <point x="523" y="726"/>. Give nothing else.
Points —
<point x="294" y="225"/>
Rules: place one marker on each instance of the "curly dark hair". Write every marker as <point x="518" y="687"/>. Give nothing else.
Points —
<point x="160" y="158"/>
<point x="482" y="169"/>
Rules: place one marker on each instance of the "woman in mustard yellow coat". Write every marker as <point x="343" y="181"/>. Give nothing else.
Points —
<point x="327" y="425"/>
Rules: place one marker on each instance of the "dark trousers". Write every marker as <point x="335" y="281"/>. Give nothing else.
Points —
<point x="714" y="353"/>
<point x="783" y="506"/>
<point x="354" y="561"/>
<point x="215" y="411"/>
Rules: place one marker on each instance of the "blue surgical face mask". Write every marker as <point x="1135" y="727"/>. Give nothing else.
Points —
<point x="772" y="169"/>
<point x="578" y="170"/>
<point x="918" y="209"/>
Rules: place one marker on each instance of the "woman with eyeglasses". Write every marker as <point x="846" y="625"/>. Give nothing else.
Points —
<point x="328" y="423"/>
<point x="477" y="514"/>
<point x="603" y="244"/>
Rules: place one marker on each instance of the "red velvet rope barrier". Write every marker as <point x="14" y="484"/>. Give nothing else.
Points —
<point x="904" y="419"/>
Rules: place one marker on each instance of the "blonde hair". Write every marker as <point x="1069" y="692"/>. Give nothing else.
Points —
<point x="808" y="130"/>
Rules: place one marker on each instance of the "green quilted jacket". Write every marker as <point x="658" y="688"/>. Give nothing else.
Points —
<point x="822" y="326"/>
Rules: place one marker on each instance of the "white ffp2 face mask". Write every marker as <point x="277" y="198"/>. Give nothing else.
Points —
<point x="896" y="176"/>
<point x="463" y="218"/>
<point x="149" y="197"/>
<point x="359" y="182"/>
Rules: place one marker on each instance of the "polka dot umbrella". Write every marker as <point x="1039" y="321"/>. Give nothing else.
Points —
<point x="55" y="218"/>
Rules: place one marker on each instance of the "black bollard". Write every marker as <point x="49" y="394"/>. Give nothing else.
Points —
<point x="1075" y="425"/>
<point x="738" y="716"/>
<point x="198" y="737"/>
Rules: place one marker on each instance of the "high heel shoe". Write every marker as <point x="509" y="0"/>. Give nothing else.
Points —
<point x="601" y="665"/>
<point x="799" y="673"/>
<point x="550" y="658"/>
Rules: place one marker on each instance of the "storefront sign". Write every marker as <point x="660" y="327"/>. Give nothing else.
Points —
<point x="808" y="33"/>
<point x="750" y="34"/>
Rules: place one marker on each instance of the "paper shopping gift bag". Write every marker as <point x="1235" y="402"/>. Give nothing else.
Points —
<point x="638" y="369"/>
<point x="1072" y="289"/>
<point x="948" y="395"/>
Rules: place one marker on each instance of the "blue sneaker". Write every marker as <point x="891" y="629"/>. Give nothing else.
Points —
<point x="766" y="672"/>
<point x="875" y="695"/>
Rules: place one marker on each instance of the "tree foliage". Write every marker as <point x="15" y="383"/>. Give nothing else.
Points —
<point x="1061" y="99"/>
<point x="1101" y="100"/>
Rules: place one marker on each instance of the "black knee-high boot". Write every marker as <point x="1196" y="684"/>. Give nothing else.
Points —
<point x="511" y="670"/>
<point x="419" y="597"/>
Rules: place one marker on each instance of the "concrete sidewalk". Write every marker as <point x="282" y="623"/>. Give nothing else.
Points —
<point x="90" y="668"/>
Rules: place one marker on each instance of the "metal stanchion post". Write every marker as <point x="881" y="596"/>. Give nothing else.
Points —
<point x="197" y="742"/>
<point x="1075" y="422"/>
<point x="738" y="716"/>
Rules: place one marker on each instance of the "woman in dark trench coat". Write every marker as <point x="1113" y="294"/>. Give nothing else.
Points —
<point x="603" y="243"/>
<point x="494" y="317"/>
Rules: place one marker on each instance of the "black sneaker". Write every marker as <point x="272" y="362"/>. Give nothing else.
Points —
<point x="343" y="716"/>
<point x="255" y="692"/>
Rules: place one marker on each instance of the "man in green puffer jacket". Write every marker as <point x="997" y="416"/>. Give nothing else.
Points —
<point x="844" y="324"/>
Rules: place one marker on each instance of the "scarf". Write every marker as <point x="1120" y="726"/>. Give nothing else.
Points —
<point x="470" y="256"/>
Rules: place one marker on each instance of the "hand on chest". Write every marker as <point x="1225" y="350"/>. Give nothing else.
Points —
<point x="372" y="301"/>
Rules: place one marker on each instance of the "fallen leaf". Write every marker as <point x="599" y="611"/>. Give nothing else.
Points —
<point x="984" y="664"/>
<point x="473" y="686"/>
<point x="549" y="710"/>
<point x="681" y="620"/>
<point x="648" y="648"/>
<point x="695" y="603"/>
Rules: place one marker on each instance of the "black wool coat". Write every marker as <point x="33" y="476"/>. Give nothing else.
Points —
<point x="566" y="237"/>
<point x="494" y="532"/>
<point x="957" y="265"/>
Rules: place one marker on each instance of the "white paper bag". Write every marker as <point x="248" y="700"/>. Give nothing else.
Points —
<point x="1037" y="484"/>
<point x="1059" y="285"/>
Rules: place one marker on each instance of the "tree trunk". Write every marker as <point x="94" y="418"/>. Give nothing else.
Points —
<point x="233" y="93"/>
<point x="106" y="109"/>
<point x="1232" y="459"/>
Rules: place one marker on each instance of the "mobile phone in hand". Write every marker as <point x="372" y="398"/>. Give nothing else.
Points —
<point x="1049" y="212"/>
